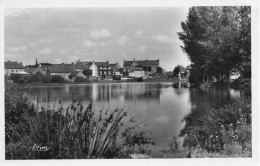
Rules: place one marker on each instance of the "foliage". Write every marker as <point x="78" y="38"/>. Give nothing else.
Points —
<point x="57" y="79"/>
<point x="220" y="128"/>
<point x="116" y="77"/>
<point x="87" y="72"/>
<point x="68" y="133"/>
<point x="176" y="71"/>
<point x="159" y="70"/>
<point x="36" y="78"/>
<point x="217" y="41"/>
<point x="16" y="105"/>
<point x="80" y="80"/>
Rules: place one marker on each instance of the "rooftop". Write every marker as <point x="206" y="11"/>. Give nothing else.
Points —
<point x="62" y="68"/>
<point x="74" y="74"/>
<point x="13" y="65"/>
<point x="141" y="62"/>
<point x="103" y="64"/>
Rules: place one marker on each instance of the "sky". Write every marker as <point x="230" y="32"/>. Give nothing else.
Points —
<point x="64" y="35"/>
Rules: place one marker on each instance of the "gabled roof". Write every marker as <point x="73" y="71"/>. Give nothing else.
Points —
<point x="30" y="69"/>
<point x="142" y="63"/>
<point x="113" y="64"/>
<point x="81" y="67"/>
<point x="102" y="64"/>
<point x="13" y="65"/>
<point x="74" y="73"/>
<point x="62" y="68"/>
<point x="33" y="69"/>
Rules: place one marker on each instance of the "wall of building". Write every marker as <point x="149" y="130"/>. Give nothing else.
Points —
<point x="139" y="74"/>
<point x="64" y="75"/>
<point x="8" y="72"/>
<point x="94" y="69"/>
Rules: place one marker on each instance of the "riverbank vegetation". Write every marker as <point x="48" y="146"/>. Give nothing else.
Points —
<point x="36" y="78"/>
<point x="39" y="79"/>
<point x="68" y="133"/>
<point x="217" y="40"/>
<point x="225" y="131"/>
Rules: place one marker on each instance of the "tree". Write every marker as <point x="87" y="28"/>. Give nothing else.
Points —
<point x="159" y="70"/>
<point x="176" y="71"/>
<point x="217" y="41"/>
<point x="87" y="72"/>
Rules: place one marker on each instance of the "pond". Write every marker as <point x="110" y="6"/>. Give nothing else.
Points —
<point x="160" y="106"/>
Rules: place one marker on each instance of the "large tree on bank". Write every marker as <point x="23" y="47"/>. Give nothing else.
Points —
<point x="217" y="40"/>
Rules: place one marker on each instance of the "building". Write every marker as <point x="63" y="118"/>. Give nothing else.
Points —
<point x="101" y="69"/>
<point x="76" y="74"/>
<point x="13" y="68"/>
<point x="142" y="66"/>
<point x="63" y="70"/>
<point x="81" y="66"/>
<point x="116" y="69"/>
<point x="41" y="68"/>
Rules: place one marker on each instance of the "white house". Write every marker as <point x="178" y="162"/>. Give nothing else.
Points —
<point x="13" y="68"/>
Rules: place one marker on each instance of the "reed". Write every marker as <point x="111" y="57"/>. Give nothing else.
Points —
<point x="74" y="132"/>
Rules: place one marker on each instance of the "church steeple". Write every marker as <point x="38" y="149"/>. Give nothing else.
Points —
<point x="36" y="63"/>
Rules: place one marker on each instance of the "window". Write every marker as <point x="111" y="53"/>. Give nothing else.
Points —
<point x="12" y="71"/>
<point x="100" y="73"/>
<point x="105" y="72"/>
<point x="109" y="73"/>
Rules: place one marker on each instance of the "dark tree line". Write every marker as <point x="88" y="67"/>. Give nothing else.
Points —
<point x="217" y="40"/>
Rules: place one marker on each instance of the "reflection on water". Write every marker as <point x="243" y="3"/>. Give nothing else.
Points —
<point x="160" y="105"/>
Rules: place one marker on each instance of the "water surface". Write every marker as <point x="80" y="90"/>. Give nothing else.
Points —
<point x="159" y="105"/>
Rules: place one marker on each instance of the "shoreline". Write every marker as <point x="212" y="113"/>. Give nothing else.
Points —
<point x="93" y="82"/>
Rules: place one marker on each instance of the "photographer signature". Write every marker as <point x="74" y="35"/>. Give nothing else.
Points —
<point x="40" y="148"/>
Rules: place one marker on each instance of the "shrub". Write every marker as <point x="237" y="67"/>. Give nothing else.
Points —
<point x="220" y="128"/>
<point x="16" y="105"/>
<point x="57" y="79"/>
<point x="36" y="78"/>
<point x="80" y="80"/>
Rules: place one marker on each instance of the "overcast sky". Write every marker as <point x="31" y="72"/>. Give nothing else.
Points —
<point x="64" y="35"/>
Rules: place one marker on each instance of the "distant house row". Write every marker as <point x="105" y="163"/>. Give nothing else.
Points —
<point x="89" y="68"/>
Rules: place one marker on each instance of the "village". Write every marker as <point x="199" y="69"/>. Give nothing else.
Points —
<point x="132" y="70"/>
<point x="129" y="83"/>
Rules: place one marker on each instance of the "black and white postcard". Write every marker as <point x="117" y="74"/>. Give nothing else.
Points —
<point x="131" y="82"/>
